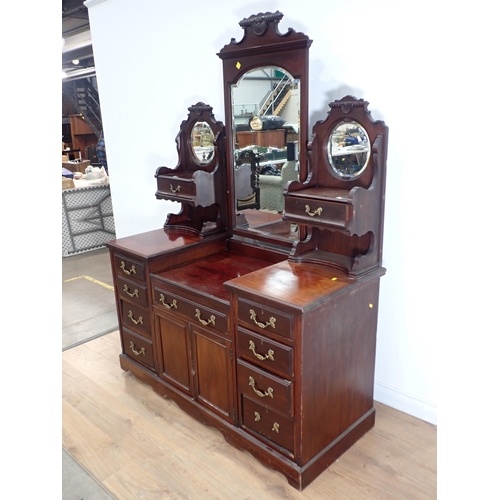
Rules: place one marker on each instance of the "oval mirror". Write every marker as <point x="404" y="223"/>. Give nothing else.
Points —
<point x="202" y="142"/>
<point x="348" y="150"/>
<point x="266" y="119"/>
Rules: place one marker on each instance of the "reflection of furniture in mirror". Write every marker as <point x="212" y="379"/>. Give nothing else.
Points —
<point x="349" y="204"/>
<point x="246" y="180"/>
<point x="200" y="171"/>
<point x="245" y="324"/>
<point x="263" y="138"/>
<point x="272" y="186"/>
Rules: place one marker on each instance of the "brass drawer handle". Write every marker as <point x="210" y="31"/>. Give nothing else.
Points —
<point x="176" y="189"/>
<point x="257" y="416"/>
<point x="316" y="212"/>
<point x="136" y="352"/>
<point x="202" y="321"/>
<point x="269" y="392"/>
<point x="269" y="355"/>
<point x="168" y="306"/>
<point x="253" y="316"/>
<point x="132" y="269"/>
<point x="136" y="322"/>
<point x="276" y="427"/>
<point x="135" y="293"/>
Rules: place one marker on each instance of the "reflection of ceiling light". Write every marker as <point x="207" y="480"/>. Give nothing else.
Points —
<point x="63" y="41"/>
<point x="75" y="61"/>
<point x="64" y="75"/>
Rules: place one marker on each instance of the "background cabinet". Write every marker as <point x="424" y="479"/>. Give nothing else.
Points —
<point x="82" y="136"/>
<point x="262" y="138"/>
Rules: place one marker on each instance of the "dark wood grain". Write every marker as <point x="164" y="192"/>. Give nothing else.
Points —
<point x="208" y="275"/>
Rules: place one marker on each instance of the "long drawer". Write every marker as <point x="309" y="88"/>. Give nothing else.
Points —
<point x="192" y="311"/>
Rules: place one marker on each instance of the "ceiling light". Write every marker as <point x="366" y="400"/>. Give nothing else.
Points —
<point x="75" y="61"/>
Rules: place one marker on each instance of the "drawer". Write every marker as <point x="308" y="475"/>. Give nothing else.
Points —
<point x="269" y="390"/>
<point x="264" y="352"/>
<point x="174" y="188"/>
<point x="135" y="318"/>
<point x="129" y="268"/>
<point x="267" y="423"/>
<point x="196" y="313"/>
<point x="134" y="292"/>
<point x="138" y="348"/>
<point x="261" y="318"/>
<point x="318" y="211"/>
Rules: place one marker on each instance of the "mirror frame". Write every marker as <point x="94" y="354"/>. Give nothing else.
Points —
<point x="263" y="45"/>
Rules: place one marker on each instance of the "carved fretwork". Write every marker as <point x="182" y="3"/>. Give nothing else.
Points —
<point x="260" y="22"/>
<point x="196" y="181"/>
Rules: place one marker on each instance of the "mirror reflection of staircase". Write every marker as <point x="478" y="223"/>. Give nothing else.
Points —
<point x="275" y="100"/>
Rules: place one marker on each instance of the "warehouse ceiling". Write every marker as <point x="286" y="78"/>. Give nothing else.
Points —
<point x="77" y="54"/>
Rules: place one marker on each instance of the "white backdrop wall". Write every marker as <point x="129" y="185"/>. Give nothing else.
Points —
<point x="154" y="59"/>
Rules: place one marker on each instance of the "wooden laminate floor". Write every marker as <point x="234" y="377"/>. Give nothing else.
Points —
<point x="138" y="445"/>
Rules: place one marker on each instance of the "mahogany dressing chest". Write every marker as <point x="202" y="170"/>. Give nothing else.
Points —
<point x="258" y="323"/>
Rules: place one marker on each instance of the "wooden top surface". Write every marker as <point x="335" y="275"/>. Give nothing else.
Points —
<point x="208" y="275"/>
<point x="294" y="283"/>
<point x="154" y="242"/>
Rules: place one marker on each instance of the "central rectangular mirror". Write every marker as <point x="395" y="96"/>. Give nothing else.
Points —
<point x="266" y="95"/>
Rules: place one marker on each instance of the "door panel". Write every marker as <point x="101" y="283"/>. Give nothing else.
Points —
<point x="175" y="359"/>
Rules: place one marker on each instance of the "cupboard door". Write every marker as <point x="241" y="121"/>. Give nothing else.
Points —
<point x="213" y="378"/>
<point x="174" y="359"/>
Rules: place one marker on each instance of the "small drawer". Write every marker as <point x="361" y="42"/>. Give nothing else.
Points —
<point x="129" y="268"/>
<point x="264" y="352"/>
<point x="136" y="318"/>
<point x="264" y="319"/>
<point x="270" y="391"/>
<point x="138" y="348"/>
<point x="132" y="291"/>
<point x="318" y="211"/>
<point x="175" y="188"/>
<point x="267" y="423"/>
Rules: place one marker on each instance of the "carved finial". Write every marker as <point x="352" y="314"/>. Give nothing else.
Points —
<point x="199" y="108"/>
<point x="260" y="22"/>
<point x="347" y="103"/>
